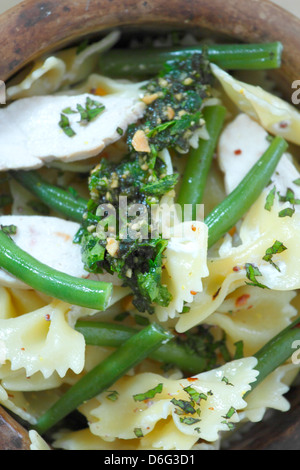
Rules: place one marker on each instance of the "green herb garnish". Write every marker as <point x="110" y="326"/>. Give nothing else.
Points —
<point x="276" y="248"/>
<point x="270" y="199"/>
<point x="252" y="272"/>
<point x="149" y="394"/>
<point x="64" y="123"/>
<point x="288" y="212"/>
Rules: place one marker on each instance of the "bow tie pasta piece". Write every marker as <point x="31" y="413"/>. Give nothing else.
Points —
<point x="274" y="114"/>
<point x="270" y="393"/>
<point x="64" y="68"/>
<point x="185" y="265"/>
<point x="196" y="408"/>
<point x="43" y="341"/>
<point x="253" y="316"/>
<point x="228" y="271"/>
<point x="241" y="145"/>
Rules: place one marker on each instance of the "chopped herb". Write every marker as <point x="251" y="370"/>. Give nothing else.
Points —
<point x="225" y="379"/>
<point x="91" y="111"/>
<point x="277" y="247"/>
<point x="189" y="421"/>
<point x="195" y="396"/>
<point x="64" y="123"/>
<point x="121" y="316"/>
<point x="289" y="197"/>
<point x="184" y="405"/>
<point x="270" y="199"/>
<point x="160" y="187"/>
<point x="69" y="110"/>
<point x="120" y="131"/>
<point x="252" y="272"/>
<point x="138" y="432"/>
<point x="288" y="212"/>
<point x="140" y="320"/>
<point x="9" y="229"/>
<point x="113" y="396"/>
<point x="230" y="425"/>
<point x="149" y="394"/>
<point x="230" y="413"/>
<point x="297" y="182"/>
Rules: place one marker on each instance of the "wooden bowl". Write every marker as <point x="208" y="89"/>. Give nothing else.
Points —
<point x="35" y="27"/>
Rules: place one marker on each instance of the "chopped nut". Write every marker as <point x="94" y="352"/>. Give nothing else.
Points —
<point x="140" y="142"/>
<point x="170" y="113"/>
<point x="188" y="81"/>
<point x="148" y="99"/>
<point x="112" y="247"/>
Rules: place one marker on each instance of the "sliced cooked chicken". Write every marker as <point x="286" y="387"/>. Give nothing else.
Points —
<point x="241" y="145"/>
<point x="48" y="239"/>
<point x="31" y="133"/>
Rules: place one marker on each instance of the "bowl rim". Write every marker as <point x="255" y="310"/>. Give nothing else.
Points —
<point x="33" y="28"/>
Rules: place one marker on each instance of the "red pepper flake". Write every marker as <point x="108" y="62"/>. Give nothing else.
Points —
<point x="22" y="349"/>
<point x="47" y="317"/>
<point x="242" y="300"/>
<point x="283" y="125"/>
<point x="193" y="292"/>
<point x="192" y="379"/>
<point x="211" y="408"/>
<point x="194" y="228"/>
<point x="236" y="269"/>
<point x="237" y="152"/>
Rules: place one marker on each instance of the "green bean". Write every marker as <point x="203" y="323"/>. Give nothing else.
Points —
<point x="112" y="335"/>
<point x="148" y="62"/>
<point x="200" y="159"/>
<point x="58" y="199"/>
<point x="239" y="201"/>
<point x="82" y="292"/>
<point x="276" y="352"/>
<point x="104" y="375"/>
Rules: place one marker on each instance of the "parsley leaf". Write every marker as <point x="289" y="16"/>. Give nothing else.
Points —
<point x="149" y="394"/>
<point x="252" y="272"/>
<point x="270" y="199"/>
<point x="277" y="247"/>
<point x="288" y="212"/>
<point x="189" y="420"/>
<point x="184" y="405"/>
<point x="64" y="123"/>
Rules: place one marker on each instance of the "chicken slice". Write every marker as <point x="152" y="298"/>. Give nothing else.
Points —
<point x="31" y="136"/>
<point x="49" y="240"/>
<point x="241" y="145"/>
